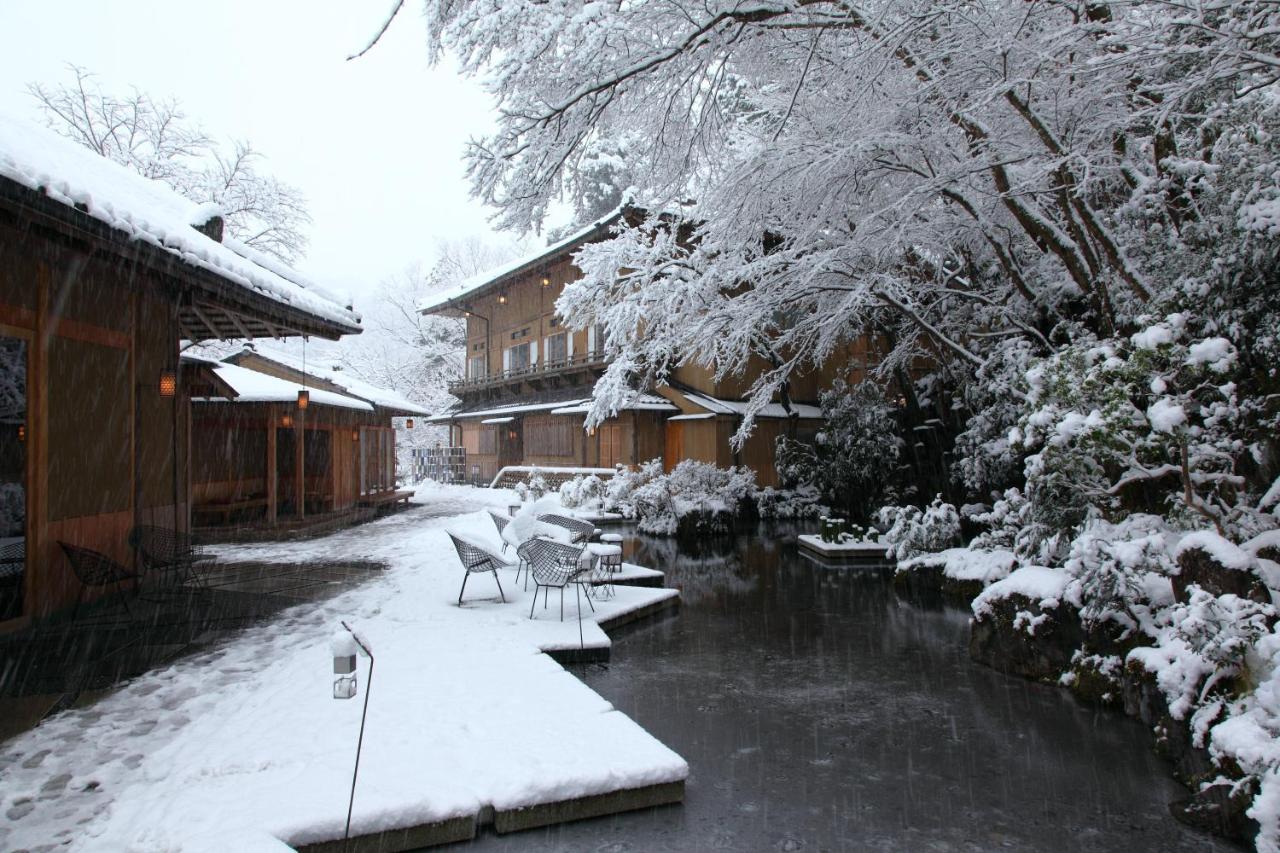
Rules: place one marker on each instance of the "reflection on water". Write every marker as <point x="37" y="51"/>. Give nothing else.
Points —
<point x="818" y="711"/>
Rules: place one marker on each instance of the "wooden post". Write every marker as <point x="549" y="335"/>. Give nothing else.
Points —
<point x="272" y="490"/>
<point x="37" y="595"/>
<point x="299" y="481"/>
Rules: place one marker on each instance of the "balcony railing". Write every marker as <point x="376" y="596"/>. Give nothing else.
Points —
<point x="533" y="372"/>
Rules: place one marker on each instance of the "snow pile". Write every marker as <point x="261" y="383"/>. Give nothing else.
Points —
<point x="699" y="491"/>
<point x="245" y="741"/>
<point x="965" y="564"/>
<point x="150" y="212"/>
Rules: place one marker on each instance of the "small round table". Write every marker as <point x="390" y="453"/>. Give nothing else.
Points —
<point x="608" y="555"/>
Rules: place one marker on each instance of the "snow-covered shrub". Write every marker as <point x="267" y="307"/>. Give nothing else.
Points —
<point x="709" y="496"/>
<point x="533" y="488"/>
<point x="804" y="501"/>
<point x="1120" y="572"/>
<point x="582" y="491"/>
<point x="910" y="530"/>
<point x="619" y="490"/>
<point x="853" y="459"/>
<point x="13" y="509"/>
<point x="986" y="459"/>
<point x="1221" y="629"/>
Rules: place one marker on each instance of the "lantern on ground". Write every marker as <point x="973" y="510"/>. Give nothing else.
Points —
<point x="168" y="383"/>
<point x="344" y="649"/>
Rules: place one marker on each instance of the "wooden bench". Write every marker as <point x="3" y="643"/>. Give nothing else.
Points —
<point x="386" y="498"/>
<point x="226" y="508"/>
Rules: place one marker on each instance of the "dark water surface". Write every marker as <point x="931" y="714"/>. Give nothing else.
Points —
<point x="818" y="711"/>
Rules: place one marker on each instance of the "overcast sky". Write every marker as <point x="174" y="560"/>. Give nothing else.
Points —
<point x="375" y="143"/>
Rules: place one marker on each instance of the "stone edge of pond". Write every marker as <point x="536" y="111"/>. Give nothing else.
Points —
<point x="995" y="642"/>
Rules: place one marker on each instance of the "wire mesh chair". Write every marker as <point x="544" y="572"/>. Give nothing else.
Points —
<point x="161" y="549"/>
<point x="95" y="569"/>
<point x="582" y="531"/>
<point x="554" y="564"/>
<point x="477" y="559"/>
<point x="501" y="522"/>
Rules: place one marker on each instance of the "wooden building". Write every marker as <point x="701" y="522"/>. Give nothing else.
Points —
<point x="259" y="459"/>
<point x="528" y="381"/>
<point x="103" y="274"/>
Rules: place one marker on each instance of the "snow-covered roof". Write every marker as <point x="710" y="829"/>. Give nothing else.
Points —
<point x="505" y="420"/>
<point x="642" y="403"/>
<point x="151" y="212"/>
<point x="251" y="386"/>
<point x="476" y="283"/>
<point x="500" y="411"/>
<point x="736" y="407"/>
<point x="326" y="370"/>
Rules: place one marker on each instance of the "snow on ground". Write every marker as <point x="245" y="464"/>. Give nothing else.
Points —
<point x="1040" y="584"/>
<point x="246" y="741"/>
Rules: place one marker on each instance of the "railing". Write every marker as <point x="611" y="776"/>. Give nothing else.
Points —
<point x="533" y="371"/>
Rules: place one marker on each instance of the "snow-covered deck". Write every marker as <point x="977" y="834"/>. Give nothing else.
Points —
<point x="867" y="550"/>
<point x="243" y="746"/>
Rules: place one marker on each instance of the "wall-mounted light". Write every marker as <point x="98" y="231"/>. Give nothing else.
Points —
<point x="408" y="423"/>
<point x="304" y="398"/>
<point x="286" y="421"/>
<point x="355" y="435"/>
<point x="546" y="282"/>
<point x="168" y="383"/>
<point x="502" y="299"/>
<point x="22" y="432"/>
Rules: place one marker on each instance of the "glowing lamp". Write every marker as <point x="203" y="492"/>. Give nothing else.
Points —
<point x="546" y="282"/>
<point x="304" y="398"/>
<point x="22" y="432"/>
<point x="286" y="421"/>
<point x="408" y="423"/>
<point x="168" y="383"/>
<point x="502" y="299"/>
<point x="355" y="435"/>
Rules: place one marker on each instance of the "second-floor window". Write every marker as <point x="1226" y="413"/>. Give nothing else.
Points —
<point x="476" y="367"/>
<point x="518" y="358"/>
<point x="557" y="349"/>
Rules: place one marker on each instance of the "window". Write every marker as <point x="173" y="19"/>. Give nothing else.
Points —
<point x="518" y="358"/>
<point x="557" y="349"/>
<point x="595" y="339"/>
<point x="476" y="367"/>
<point x="548" y="438"/>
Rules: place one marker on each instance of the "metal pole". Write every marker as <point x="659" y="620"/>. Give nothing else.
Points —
<point x="346" y="834"/>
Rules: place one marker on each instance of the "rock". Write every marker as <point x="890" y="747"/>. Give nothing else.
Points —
<point x="1218" y="810"/>
<point x="1197" y="566"/>
<point x="1002" y="639"/>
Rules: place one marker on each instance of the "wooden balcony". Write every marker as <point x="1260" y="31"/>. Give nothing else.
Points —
<point x="536" y="375"/>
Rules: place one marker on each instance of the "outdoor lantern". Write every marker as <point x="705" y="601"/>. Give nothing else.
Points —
<point x="546" y="282"/>
<point x="22" y="432"/>
<point x="344" y="649"/>
<point x="304" y="398"/>
<point x="502" y="299"/>
<point x="408" y="423"/>
<point x="286" y="421"/>
<point x="355" y="435"/>
<point x="168" y="383"/>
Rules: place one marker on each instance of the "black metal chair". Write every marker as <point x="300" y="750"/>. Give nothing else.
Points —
<point x="501" y="522"/>
<point x="96" y="569"/>
<point x="582" y="531"/>
<point x="555" y="564"/>
<point x="476" y="559"/>
<point x="161" y="549"/>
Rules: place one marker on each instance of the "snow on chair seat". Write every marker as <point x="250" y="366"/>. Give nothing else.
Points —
<point x="581" y="531"/>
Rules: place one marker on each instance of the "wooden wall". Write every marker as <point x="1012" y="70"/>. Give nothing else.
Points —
<point x="102" y="446"/>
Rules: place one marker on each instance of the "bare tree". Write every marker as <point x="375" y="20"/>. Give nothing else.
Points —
<point x="156" y="138"/>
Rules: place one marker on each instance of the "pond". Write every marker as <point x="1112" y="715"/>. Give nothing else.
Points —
<point x="819" y="711"/>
